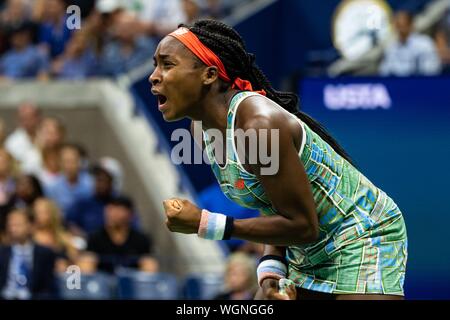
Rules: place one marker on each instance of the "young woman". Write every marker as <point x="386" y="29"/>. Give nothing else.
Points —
<point x="325" y="225"/>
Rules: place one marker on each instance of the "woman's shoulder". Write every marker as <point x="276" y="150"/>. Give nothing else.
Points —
<point x="259" y="112"/>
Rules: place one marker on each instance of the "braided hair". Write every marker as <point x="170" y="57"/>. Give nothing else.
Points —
<point x="229" y="46"/>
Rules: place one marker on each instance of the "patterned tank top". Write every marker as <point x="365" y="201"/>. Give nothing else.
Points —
<point x="348" y="204"/>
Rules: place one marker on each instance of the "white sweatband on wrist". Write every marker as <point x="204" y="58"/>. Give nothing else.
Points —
<point x="271" y="269"/>
<point x="212" y="225"/>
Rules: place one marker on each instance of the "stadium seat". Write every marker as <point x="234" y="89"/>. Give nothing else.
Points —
<point x="97" y="286"/>
<point x="203" y="286"/>
<point x="138" y="285"/>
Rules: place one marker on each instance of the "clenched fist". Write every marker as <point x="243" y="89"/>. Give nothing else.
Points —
<point x="182" y="215"/>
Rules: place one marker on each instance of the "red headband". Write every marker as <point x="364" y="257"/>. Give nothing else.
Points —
<point x="190" y="40"/>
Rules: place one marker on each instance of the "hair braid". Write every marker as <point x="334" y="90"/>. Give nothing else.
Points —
<point x="229" y="46"/>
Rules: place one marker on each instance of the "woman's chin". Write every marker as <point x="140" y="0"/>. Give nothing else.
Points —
<point x="169" y="116"/>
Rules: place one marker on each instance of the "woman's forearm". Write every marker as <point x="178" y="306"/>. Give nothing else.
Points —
<point x="276" y="230"/>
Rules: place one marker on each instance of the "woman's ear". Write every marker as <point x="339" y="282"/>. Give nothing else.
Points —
<point x="210" y="75"/>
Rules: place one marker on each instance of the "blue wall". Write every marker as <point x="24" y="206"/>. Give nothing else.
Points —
<point x="405" y="150"/>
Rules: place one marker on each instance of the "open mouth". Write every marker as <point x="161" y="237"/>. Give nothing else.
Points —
<point x="161" y="99"/>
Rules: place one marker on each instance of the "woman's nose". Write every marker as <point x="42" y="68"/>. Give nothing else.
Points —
<point x="154" y="77"/>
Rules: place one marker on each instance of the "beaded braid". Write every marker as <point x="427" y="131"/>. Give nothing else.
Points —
<point x="229" y="46"/>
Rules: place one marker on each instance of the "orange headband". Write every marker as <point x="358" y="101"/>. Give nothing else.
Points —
<point x="190" y="40"/>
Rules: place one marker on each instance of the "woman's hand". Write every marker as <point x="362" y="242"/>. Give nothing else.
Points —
<point x="182" y="215"/>
<point x="270" y="291"/>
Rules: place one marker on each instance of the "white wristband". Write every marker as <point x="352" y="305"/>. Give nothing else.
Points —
<point x="271" y="269"/>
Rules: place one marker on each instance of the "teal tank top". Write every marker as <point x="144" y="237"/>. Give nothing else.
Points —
<point x="348" y="205"/>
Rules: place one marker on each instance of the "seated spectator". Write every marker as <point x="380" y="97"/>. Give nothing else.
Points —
<point x="26" y="269"/>
<point x="15" y="13"/>
<point x="51" y="167"/>
<point x="50" y="135"/>
<point x="23" y="60"/>
<point x="118" y="244"/>
<point x="74" y="184"/>
<point x="87" y="215"/>
<point x="216" y="9"/>
<point x="7" y="185"/>
<point x="412" y="53"/>
<point x="192" y="10"/>
<point x="78" y="60"/>
<point x="49" y="231"/>
<point x="159" y="17"/>
<point x="442" y="40"/>
<point x="148" y="264"/>
<point x="28" y="189"/>
<point x="23" y="138"/>
<point x="127" y="50"/>
<point x="213" y="199"/>
<point x="53" y="31"/>
<point x="240" y="278"/>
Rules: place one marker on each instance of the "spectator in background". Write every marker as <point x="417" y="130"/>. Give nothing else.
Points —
<point x="26" y="269"/>
<point x="22" y="139"/>
<point x="192" y="10"/>
<point x="53" y="31"/>
<point x="240" y="278"/>
<point x="50" y="135"/>
<point x="148" y="264"/>
<point x="442" y="40"/>
<point x="412" y="53"/>
<point x="216" y="9"/>
<point x="23" y="60"/>
<point x="49" y="232"/>
<point x="118" y="244"/>
<point x="159" y="17"/>
<point x="74" y="183"/>
<point x="78" y="60"/>
<point x="87" y="215"/>
<point x="15" y="13"/>
<point x="127" y="50"/>
<point x="7" y="186"/>
<point x="28" y="189"/>
<point x="51" y="166"/>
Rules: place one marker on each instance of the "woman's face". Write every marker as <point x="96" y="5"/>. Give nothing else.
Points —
<point x="42" y="213"/>
<point x="24" y="188"/>
<point x="176" y="80"/>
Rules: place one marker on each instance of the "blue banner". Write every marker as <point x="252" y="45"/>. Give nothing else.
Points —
<point x="398" y="132"/>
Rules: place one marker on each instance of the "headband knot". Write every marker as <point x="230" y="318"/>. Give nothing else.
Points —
<point x="208" y="57"/>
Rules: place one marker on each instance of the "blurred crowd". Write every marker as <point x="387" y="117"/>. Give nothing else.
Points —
<point x="417" y="54"/>
<point x="59" y="208"/>
<point x="115" y="36"/>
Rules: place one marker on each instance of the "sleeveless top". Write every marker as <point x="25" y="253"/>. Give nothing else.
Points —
<point x="348" y="205"/>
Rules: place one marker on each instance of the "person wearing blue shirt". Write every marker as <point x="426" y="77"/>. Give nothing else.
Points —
<point x="23" y="60"/>
<point x="26" y="269"/>
<point x="53" y="31"/>
<point x="87" y="214"/>
<point x="126" y="51"/>
<point x="78" y="60"/>
<point x="74" y="184"/>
